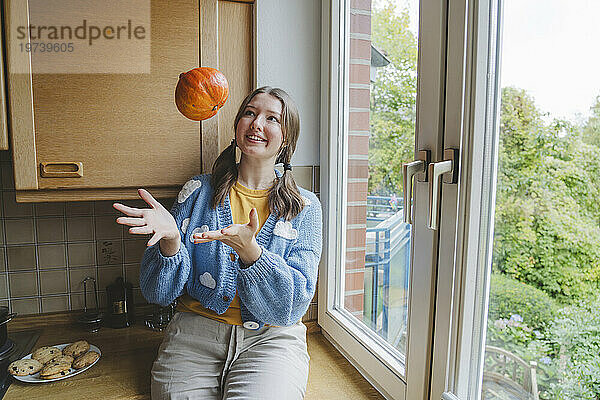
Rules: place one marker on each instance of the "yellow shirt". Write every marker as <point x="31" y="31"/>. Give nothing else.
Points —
<point x="242" y="200"/>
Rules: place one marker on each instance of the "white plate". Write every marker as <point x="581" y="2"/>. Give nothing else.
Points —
<point x="35" y="378"/>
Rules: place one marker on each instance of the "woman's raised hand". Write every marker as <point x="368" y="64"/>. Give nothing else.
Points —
<point x="241" y="237"/>
<point x="156" y="220"/>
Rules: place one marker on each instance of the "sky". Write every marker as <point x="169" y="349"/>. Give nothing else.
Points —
<point x="550" y="49"/>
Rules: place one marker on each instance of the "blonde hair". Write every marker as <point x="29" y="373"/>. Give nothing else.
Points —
<point x="284" y="197"/>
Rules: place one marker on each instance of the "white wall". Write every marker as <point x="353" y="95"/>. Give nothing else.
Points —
<point x="288" y="55"/>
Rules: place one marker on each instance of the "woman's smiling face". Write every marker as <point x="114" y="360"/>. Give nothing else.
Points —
<point x="259" y="133"/>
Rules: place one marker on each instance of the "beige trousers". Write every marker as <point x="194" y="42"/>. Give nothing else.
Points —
<point x="201" y="358"/>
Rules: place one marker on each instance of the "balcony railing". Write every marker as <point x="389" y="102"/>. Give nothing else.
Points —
<point x="387" y="246"/>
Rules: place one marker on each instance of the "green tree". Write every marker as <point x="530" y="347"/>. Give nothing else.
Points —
<point x="591" y="129"/>
<point x="393" y="96"/>
<point x="576" y="331"/>
<point x="547" y="211"/>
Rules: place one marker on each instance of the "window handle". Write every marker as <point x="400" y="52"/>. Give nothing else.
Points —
<point x="409" y="170"/>
<point x="436" y="170"/>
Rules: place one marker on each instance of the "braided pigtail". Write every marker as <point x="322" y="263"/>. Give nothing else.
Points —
<point x="224" y="174"/>
<point x="284" y="196"/>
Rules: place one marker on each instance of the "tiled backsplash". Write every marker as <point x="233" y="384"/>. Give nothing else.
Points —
<point x="47" y="249"/>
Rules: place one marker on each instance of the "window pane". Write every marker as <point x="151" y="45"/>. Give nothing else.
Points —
<point x="543" y="321"/>
<point x="380" y="138"/>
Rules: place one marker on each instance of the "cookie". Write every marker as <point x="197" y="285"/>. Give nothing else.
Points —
<point x="76" y="349"/>
<point x="53" y="368"/>
<point x="24" y="367"/>
<point x="63" y="359"/>
<point x="45" y="354"/>
<point x="58" y="375"/>
<point x="87" y="359"/>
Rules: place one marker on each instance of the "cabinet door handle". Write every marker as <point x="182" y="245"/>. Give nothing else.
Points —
<point x="61" y="169"/>
<point x="436" y="170"/>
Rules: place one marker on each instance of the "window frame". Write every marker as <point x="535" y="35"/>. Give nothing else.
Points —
<point x="385" y="372"/>
<point x="472" y="122"/>
<point x="368" y="353"/>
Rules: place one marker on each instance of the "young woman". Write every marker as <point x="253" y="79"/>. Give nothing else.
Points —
<point x="240" y="251"/>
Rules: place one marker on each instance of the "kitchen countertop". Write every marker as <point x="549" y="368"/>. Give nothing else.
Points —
<point x="123" y="371"/>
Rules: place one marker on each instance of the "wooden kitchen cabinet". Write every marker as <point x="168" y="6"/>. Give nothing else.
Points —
<point x="93" y="136"/>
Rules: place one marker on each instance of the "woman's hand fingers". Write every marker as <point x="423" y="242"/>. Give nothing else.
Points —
<point x="237" y="236"/>
<point x="131" y="221"/>
<point x="141" y="230"/>
<point x="132" y="212"/>
<point x="231" y="230"/>
<point x="209" y="235"/>
<point x="147" y="197"/>
<point x="198" y="241"/>
<point x="253" y="224"/>
<point x="153" y="240"/>
<point x="156" y="220"/>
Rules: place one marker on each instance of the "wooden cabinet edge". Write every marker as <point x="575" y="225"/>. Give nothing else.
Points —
<point x="20" y="100"/>
<point x="116" y="194"/>
<point x="214" y="138"/>
<point x="209" y="55"/>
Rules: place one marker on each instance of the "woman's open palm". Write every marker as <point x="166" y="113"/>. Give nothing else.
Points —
<point x="156" y="220"/>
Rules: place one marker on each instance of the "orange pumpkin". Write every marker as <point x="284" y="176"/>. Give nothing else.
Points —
<point x="201" y="92"/>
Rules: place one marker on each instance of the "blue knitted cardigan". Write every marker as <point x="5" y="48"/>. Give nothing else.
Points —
<point x="276" y="289"/>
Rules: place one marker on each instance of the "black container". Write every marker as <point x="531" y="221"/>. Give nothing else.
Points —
<point x="119" y="307"/>
<point x="4" y="318"/>
<point x="91" y="318"/>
